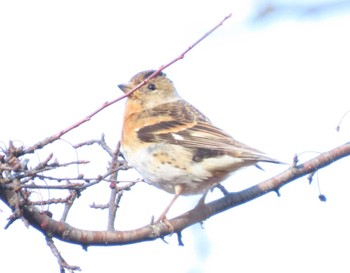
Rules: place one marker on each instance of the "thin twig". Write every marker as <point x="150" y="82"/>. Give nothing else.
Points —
<point x="180" y="57"/>
<point x="117" y="199"/>
<point x="68" y="204"/>
<point x="58" y="135"/>
<point x="101" y="142"/>
<point x="341" y="120"/>
<point x="49" y="201"/>
<point x="113" y="206"/>
<point x="61" y="262"/>
<point x="99" y="206"/>
<point x="72" y="186"/>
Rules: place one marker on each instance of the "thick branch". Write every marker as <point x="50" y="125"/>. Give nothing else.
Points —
<point x="200" y="213"/>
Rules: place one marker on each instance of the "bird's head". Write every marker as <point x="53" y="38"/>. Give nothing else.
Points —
<point x="156" y="91"/>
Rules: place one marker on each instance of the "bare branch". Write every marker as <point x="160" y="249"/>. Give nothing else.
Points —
<point x="61" y="262"/>
<point x="58" y="135"/>
<point x="200" y="213"/>
<point x="68" y="204"/>
<point x="101" y="142"/>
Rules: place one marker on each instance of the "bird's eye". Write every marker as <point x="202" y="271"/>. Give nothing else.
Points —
<point x="151" y="87"/>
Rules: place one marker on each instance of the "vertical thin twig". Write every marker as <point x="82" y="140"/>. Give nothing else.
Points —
<point x="61" y="262"/>
<point x="112" y="206"/>
<point x="68" y="205"/>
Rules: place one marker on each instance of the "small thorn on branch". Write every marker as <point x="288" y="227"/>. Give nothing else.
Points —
<point x="179" y="238"/>
<point x="163" y="239"/>
<point x="310" y="177"/>
<point x="11" y="220"/>
<point x="295" y="161"/>
<point x="278" y="193"/>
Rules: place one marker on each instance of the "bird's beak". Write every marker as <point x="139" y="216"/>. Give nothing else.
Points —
<point x="124" y="87"/>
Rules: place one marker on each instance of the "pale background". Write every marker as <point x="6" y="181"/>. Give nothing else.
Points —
<point x="280" y="83"/>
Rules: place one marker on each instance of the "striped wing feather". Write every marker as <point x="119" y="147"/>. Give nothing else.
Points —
<point x="191" y="129"/>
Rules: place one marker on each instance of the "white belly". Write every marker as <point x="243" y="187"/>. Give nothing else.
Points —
<point x="159" y="166"/>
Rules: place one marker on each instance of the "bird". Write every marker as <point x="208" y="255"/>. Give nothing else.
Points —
<point x="172" y="145"/>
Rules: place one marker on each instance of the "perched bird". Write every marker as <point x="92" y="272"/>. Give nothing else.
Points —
<point x="173" y="145"/>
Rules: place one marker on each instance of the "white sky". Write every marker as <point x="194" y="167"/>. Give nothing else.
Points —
<point x="280" y="86"/>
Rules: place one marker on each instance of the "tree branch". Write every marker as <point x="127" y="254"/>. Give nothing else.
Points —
<point x="67" y="233"/>
<point x="58" y="135"/>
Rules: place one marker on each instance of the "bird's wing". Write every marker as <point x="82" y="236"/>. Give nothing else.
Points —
<point x="184" y="125"/>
